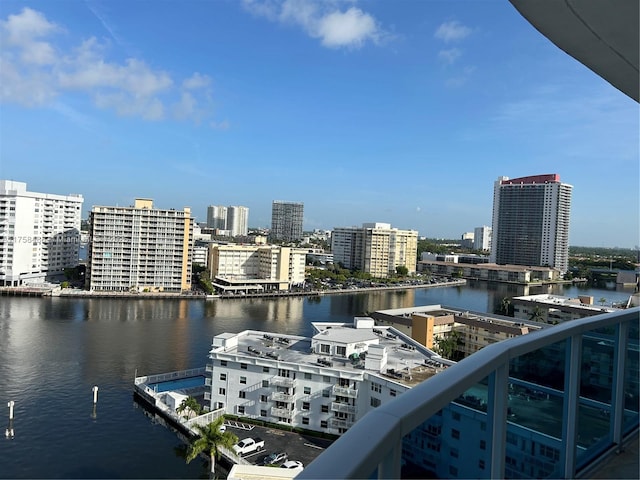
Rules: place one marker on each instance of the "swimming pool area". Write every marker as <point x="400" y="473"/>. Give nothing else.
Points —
<point x="178" y="384"/>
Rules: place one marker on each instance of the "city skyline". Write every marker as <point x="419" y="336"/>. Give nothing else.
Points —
<point x="362" y="111"/>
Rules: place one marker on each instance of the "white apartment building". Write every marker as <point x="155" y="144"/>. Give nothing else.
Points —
<point x="482" y="238"/>
<point x="39" y="233"/>
<point x="140" y="248"/>
<point x="217" y="217"/>
<point x="375" y="248"/>
<point x="325" y="383"/>
<point x="256" y="268"/>
<point x="555" y="309"/>
<point x="238" y="220"/>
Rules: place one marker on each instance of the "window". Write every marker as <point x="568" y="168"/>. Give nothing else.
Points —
<point x="305" y="405"/>
<point x="483" y="445"/>
<point x="223" y="363"/>
<point x="243" y="366"/>
<point x="375" y="402"/>
<point x="342" y="351"/>
<point x="455" y="433"/>
<point x="376" y="387"/>
<point x="324" y="348"/>
<point x="305" y="420"/>
<point x="242" y="394"/>
<point x="392" y="392"/>
<point x="307" y="390"/>
<point x="241" y="409"/>
<point x="265" y="369"/>
<point x="454" y="453"/>
<point x="326" y="379"/>
<point x="481" y="464"/>
<point x="222" y="391"/>
<point x="265" y="383"/>
<point x="307" y="376"/>
<point x="263" y="413"/>
<point x="263" y="398"/>
<point x="455" y="416"/>
<point x="453" y="470"/>
<point x="324" y="409"/>
<point x="243" y="380"/>
<point x="323" y="424"/>
<point x="223" y="376"/>
<point x="326" y="392"/>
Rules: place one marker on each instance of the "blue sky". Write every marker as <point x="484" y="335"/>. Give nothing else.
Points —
<point x="402" y="112"/>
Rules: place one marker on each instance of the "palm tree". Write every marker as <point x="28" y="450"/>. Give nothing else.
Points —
<point x="209" y="441"/>
<point x="190" y="406"/>
<point x="537" y="315"/>
<point x="602" y="301"/>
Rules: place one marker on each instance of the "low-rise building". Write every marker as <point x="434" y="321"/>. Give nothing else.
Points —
<point x="255" y="268"/>
<point x="427" y="324"/>
<point x="492" y="272"/>
<point x="323" y="383"/>
<point x="556" y="308"/>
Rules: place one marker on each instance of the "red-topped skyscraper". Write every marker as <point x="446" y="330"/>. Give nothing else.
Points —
<point x="531" y="221"/>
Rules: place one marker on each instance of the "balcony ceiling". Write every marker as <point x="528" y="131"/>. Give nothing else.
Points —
<point x="600" y="34"/>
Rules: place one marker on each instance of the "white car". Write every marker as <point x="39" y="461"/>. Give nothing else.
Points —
<point x="292" y="464"/>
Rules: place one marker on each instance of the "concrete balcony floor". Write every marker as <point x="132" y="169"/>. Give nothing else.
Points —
<point x="623" y="465"/>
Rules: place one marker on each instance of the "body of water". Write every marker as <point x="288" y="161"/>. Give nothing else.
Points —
<point x="54" y="350"/>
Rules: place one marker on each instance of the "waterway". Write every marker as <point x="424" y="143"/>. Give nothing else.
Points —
<point x="53" y="351"/>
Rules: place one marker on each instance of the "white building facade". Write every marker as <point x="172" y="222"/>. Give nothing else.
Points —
<point x="375" y="248"/>
<point x="255" y="268"/>
<point x="238" y="220"/>
<point x="140" y="248"/>
<point x="39" y="234"/>
<point x="482" y="238"/>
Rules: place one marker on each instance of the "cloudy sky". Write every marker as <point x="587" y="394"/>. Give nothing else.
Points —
<point x="398" y="112"/>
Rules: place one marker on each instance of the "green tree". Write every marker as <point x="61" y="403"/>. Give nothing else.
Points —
<point x="505" y="306"/>
<point x="537" y="315"/>
<point x="602" y="301"/>
<point x="447" y="346"/>
<point x="402" y="270"/>
<point x="209" y="441"/>
<point x="189" y="407"/>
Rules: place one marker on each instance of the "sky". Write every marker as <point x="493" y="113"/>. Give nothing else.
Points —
<point x="402" y="112"/>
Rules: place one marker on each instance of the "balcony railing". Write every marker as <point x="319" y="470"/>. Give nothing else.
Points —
<point x="342" y="407"/>
<point x="340" y="423"/>
<point x="383" y="433"/>
<point x="282" y="397"/>
<point x="282" y="412"/>
<point x="344" y="391"/>
<point x="283" y="382"/>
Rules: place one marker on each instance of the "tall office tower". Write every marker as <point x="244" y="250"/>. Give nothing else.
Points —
<point x="140" y="248"/>
<point x="286" y="221"/>
<point x="375" y="248"/>
<point x="39" y="233"/>
<point x="217" y="217"/>
<point x="482" y="238"/>
<point x="238" y="220"/>
<point x="531" y="221"/>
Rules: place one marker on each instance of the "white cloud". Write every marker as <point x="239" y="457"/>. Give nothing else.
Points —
<point x="449" y="56"/>
<point x="336" y="28"/>
<point x="196" y="81"/>
<point x="34" y="72"/>
<point x="452" y="31"/>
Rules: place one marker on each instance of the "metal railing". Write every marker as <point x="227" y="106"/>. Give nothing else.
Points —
<point x="164" y="377"/>
<point x="379" y="434"/>
<point x="344" y="391"/>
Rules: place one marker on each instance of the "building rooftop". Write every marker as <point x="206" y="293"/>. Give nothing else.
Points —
<point x="407" y="362"/>
<point x="559" y="300"/>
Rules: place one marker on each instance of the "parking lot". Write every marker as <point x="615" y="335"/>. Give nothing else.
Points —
<point x="298" y="447"/>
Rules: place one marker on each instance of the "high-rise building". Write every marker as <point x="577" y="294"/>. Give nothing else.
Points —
<point x="531" y="221"/>
<point x="39" y="233"/>
<point x="482" y="238"/>
<point x="375" y="248"/>
<point x="217" y="217"/>
<point x="286" y="221"/>
<point x="140" y="248"/>
<point x="238" y="220"/>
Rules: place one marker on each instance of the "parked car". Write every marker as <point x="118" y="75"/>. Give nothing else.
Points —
<point x="276" y="457"/>
<point x="248" y="445"/>
<point x="292" y="464"/>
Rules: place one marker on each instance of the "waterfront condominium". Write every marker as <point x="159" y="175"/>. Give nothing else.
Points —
<point x="140" y="248"/>
<point x="375" y="248"/>
<point x="286" y="221"/>
<point x="531" y="221"/>
<point x="39" y="233"/>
